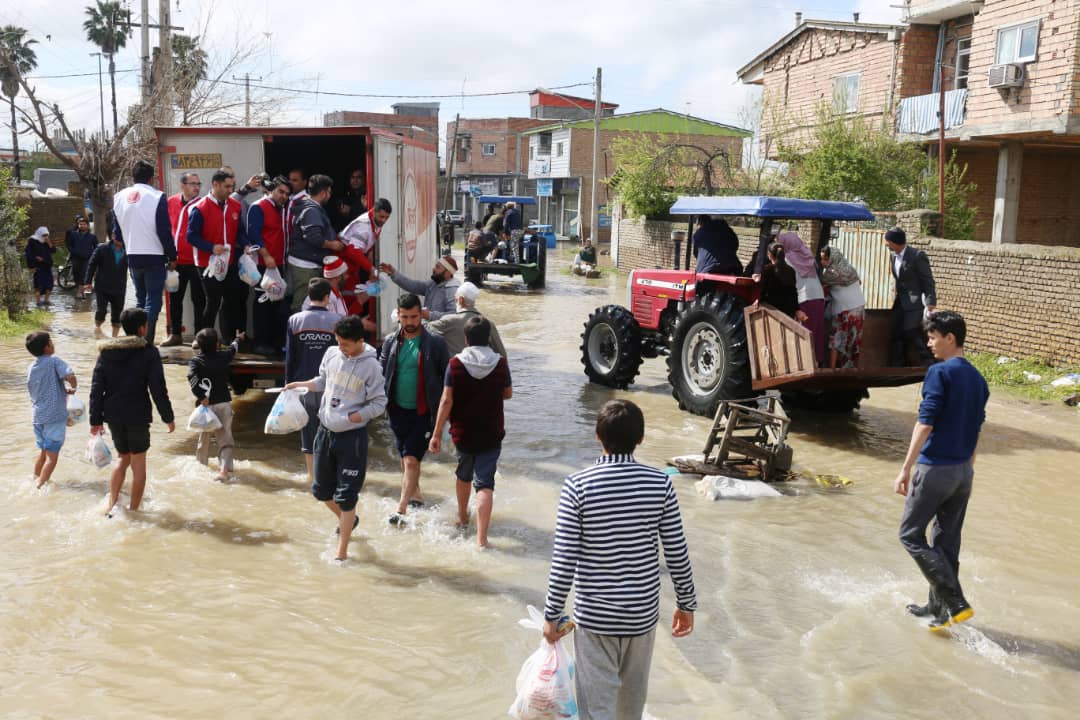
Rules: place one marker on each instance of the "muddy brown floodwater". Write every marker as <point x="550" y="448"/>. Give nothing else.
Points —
<point x="222" y="600"/>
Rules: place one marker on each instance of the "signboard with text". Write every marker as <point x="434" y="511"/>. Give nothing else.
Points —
<point x="544" y="187"/>
<point x="196" y="161"/>
<point x="603" y="216"/>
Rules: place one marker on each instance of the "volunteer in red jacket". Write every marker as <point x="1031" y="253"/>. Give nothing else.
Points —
<point x="266" y="231"/>
<point x="213" y="229"/>
<point x="179" y="204"/>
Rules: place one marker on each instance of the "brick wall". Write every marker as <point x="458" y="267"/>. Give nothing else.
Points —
<point x="503" y="133"/>
<point x="800" y="75"/>
<point x="1018" y="300"/>
<point x="918" y="50"/>
<point x="57" y="214"/>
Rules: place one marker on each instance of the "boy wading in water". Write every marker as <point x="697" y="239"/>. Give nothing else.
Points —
<point x="937" y="473"/>
<point x="48" y="398"/>
<point x="208" y="376"/>
<point x="610" y="516"/>
<point x="127" y="373"/>
<point x="477" y="381"/>
<point x="350" y="380"/>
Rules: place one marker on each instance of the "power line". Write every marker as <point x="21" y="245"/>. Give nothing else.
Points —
<point x="303" y="91"/>
<point x="89" y="74"/>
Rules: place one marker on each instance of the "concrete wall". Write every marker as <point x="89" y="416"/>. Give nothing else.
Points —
<point x="1019" y="300"/>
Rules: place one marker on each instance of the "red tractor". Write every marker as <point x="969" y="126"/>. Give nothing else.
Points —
<point x="701" y="323"/>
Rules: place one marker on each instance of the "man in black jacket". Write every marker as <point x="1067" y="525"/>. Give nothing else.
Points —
<point x="311" y="237"/>
<point x="916" y="297"/>
<point x="126" y="369"/>
<point x="109" y="266"/>
<point x="414" y="366"/>
<point x="80" y="243"/>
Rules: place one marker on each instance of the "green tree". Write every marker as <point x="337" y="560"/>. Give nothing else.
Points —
<point x="106" y="27"/>
<point x="14" y="283"/>
<point x="17" y="58"/>
<point x="849" y="159"/>
<point x="960" y="216"/>
<point x="644" y="184"/>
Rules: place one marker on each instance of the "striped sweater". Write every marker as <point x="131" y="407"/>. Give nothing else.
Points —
<point x="610" y="519"/>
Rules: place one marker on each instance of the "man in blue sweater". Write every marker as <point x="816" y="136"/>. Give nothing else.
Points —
<point x="937" y="473"/>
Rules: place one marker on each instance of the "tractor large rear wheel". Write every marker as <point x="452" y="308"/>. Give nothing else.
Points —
<point x="709" y="360"/>
<point x="611" y="347"/>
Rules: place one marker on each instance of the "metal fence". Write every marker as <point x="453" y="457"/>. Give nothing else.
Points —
<point x="865" y="248"/>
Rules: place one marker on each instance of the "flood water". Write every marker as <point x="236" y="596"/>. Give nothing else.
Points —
<point x="223" y="600"/>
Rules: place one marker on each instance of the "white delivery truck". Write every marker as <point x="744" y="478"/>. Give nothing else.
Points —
<point x="402" y="170"/>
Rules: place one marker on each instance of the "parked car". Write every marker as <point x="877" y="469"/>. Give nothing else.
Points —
<point x="454" y="217"/>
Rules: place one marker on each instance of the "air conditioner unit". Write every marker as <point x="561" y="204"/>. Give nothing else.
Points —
<point x="1008" y="75"/>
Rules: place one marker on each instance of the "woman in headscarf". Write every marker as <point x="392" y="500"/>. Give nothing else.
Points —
<point x="848" y="305"/>
<point x="39" y="252"/>
<point x="811" y="293"/>
<point x="777" y="280"/>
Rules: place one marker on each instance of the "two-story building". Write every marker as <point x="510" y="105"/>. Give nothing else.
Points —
<point x="1009" y="71"/>
<point x="560" y="158"/>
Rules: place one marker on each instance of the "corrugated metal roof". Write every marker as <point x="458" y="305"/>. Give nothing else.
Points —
<point x="655" y="121"/>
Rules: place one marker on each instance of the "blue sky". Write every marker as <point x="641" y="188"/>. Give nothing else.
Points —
<point x="681" y="55"/>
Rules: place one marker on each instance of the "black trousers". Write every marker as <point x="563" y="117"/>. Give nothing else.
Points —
<point x="903" y="335"/>
<point x="226" y="304"/>
<point x="269" y="320"/>
<point x="106" y="299"/>
<point x="78" y="270"/>
<point x="190" y="277"/>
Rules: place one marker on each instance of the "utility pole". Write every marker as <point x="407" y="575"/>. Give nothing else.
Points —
<point x="594" y="210"/>
<point x="247" y="96"/>
<point x="165" y="64"/>
<point x="450" y="164"/>
<point x="101" y="94"/>
<point x="941" y="146"/>
<point x="144" y="32"/>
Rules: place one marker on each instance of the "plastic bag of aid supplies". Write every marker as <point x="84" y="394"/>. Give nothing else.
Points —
<point x="273" y="286"/>
<point x="248" y="270"/>
<point x="98" y="453"/>
<point x="218" y="265"/>
<point x="76" y="410"/>
<point x="288" y="414"/>
<point x="545" y="685"/>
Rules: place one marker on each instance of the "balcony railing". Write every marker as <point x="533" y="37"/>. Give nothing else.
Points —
<point x="919" y="114"/>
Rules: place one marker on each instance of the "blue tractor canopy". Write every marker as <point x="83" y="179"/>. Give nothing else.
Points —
<point x="771" y="207"/>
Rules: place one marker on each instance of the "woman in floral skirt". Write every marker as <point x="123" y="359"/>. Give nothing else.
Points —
<point x="847" y="305"/>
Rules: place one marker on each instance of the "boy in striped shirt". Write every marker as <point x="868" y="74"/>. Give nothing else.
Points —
<point x="610" y="516"/>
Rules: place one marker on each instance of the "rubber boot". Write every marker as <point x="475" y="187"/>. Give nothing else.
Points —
<point x="946" y="587"/>
<point x="172" y="341"/>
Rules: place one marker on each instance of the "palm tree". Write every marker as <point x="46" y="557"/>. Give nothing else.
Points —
<point x="106" y="26"/>
<point x="16" y="59"/>
<point x="190" y="67"/>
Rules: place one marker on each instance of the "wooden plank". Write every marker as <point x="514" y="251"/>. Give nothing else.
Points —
<point x="845" y="379"/>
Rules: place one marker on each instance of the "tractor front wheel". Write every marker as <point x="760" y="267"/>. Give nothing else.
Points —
<point x="709" y="361"/>
<point x="611" y="347"/>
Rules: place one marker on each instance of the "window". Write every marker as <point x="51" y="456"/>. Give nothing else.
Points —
<point x="487" y="149"/>
<point x="845" y="93"/>
<point x="963" y="62"/>
<point x="532" y="152"/>
<point x="558" y="149"/>
<point x="545" y="144"/>
<point x="1017" y="44"/>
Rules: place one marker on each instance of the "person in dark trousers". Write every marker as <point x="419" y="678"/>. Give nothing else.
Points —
<point x="476" y="384"/>
<point x="208" y="376"/>
<point x="937" y="473"/>
<point x="414" y="366"/>
<point x="311" y="236"/>
<point x="39" y="258"/>
<point x="916" y="298"/>
<point x="266" y="232"/>
<point x="611" y="517"/>
<point x="213" y="229"/>
<point x="310" y="335"/>
<point x="80" y="243"/>
<point x="107" y="273"/>
<point x="190" y="279"/>
<point x="716" y="247"/>
<point x="352" y="396"/>
<point x="127" y="374"/>
<point x="141" y="221"/>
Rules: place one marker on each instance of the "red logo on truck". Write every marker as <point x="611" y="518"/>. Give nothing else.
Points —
<point x="410" y="217"/>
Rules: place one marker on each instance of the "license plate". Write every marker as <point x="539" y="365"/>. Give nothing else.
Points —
<point x="263" y="383"/>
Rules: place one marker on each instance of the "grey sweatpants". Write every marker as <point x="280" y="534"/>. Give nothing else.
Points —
<point x="224" y="438"/>
<point x="939" y="493"/>
<point x="612" y="674"/>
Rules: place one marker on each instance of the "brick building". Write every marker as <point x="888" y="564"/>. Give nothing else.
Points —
<point x="1011" y="80"/>
<point x="490" y="155"/>
<point x="424" y="128"/>
<point x="562" y="153"/>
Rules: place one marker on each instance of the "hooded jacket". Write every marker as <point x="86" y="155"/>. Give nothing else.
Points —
<point x="127" y="368"/>
<point x="106" y="274"/>
<point x="348" y="385"/>
<point x="433" y="360"/>
<point x="214" y="367"/>
<point x="478" y="376"/>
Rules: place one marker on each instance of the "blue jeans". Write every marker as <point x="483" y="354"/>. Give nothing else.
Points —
<point x="149" y="293"/>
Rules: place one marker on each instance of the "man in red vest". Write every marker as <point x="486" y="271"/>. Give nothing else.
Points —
<point x="179" y="204"/>
<point x="266" y="231"/>
<point x="214" y="229"/>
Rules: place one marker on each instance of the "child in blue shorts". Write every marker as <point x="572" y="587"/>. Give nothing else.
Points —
<point x="48" y="397"/>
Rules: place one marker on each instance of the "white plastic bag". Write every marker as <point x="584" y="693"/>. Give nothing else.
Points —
<point x="98" y="453"/>
<point x="218" y="266"/>
<point x="288" y="414"/>
<point x="172" y="281"/>
<point x="273" y="286"/>
<point x="545" y="685"/>
<point x="76" y="410"/>
<point x="203" y="419"/>
<point x="249" y="270"/>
